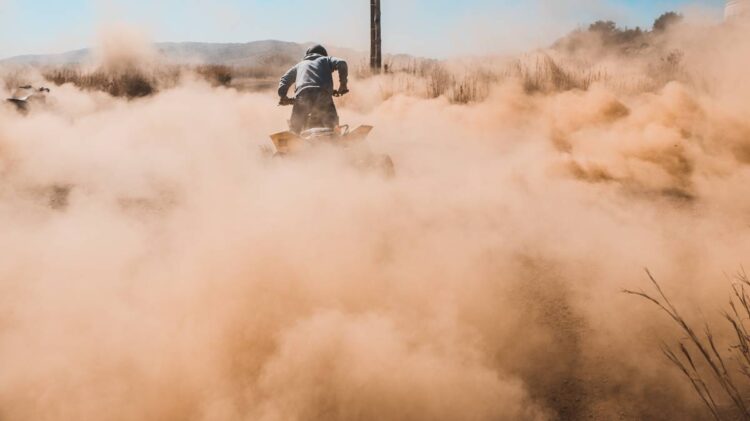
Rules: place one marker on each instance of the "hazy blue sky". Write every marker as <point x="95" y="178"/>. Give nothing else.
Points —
<point x="423" y="27"/>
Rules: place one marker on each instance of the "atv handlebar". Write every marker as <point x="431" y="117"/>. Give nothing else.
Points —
<point x="284" y="101"/>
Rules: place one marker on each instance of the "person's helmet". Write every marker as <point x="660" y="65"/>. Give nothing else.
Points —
<point x="317" y="49"/>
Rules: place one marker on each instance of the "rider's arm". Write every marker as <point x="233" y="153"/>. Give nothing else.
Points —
<point x="286" y="81"/>
<point x="343" y="69"/>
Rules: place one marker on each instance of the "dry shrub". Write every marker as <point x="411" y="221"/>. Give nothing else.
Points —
<point x="133" y="82"/>
<point x="433" y="79"/>
<point x="541" y="73"/>
<point x="721" y="379"/>
<point x="217" y="75"/>
<point x="128" y="84"/>
<point x="438" y="81"/>
<point x="463" y="83"/>
<point x="609" y="38"/>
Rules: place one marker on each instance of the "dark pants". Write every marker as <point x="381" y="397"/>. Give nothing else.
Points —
<point x="313" y="108"/>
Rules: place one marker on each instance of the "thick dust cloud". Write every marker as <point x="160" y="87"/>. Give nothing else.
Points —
<point x="185" y="275"/>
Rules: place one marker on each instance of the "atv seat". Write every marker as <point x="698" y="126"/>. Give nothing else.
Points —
<point x="318" y="132"/>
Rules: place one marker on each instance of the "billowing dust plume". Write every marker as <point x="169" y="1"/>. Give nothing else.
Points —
<point x="122" y="48"/>
<point x="188" y="276"/>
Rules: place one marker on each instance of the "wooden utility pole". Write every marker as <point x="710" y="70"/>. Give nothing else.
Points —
<point x="376" y="41"/>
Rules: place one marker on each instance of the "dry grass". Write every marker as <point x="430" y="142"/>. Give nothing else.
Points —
<point x="473" y="82"/>
<point x="464" y="82"/>
<point x="217" y="75"/>
<point x="720" y="379"/>
<point x="128" y="84"/>
<point x="135" y="83"/>
<point x="541" y="73"/>
<point x="538" y="73"/>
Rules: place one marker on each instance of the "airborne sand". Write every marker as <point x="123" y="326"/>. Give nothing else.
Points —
<point x="190" y="278"/>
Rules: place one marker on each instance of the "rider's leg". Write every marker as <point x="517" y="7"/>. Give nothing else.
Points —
<point x="300" y="112"/>
<point x="328" y="111"/>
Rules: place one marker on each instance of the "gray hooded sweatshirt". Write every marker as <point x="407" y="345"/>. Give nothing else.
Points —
<point x="315" y="71"/>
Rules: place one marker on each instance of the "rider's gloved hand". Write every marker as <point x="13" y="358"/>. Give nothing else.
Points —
<point x="343" y="90"/>
<point x="285" y="100"/>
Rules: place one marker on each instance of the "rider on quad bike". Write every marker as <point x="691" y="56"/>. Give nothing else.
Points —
<point x="313" y="78"/>
<point x="315" y="121"/>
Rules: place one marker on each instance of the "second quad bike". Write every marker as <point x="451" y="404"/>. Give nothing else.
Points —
<point x="24" y="96"/>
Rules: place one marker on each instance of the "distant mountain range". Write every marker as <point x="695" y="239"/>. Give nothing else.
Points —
<point x="251" y="54"/>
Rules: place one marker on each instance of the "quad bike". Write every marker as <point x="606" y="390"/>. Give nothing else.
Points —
<point x="24" y="96"/>
<point x="55" y="196"/>
<point x="315" y="133"/>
